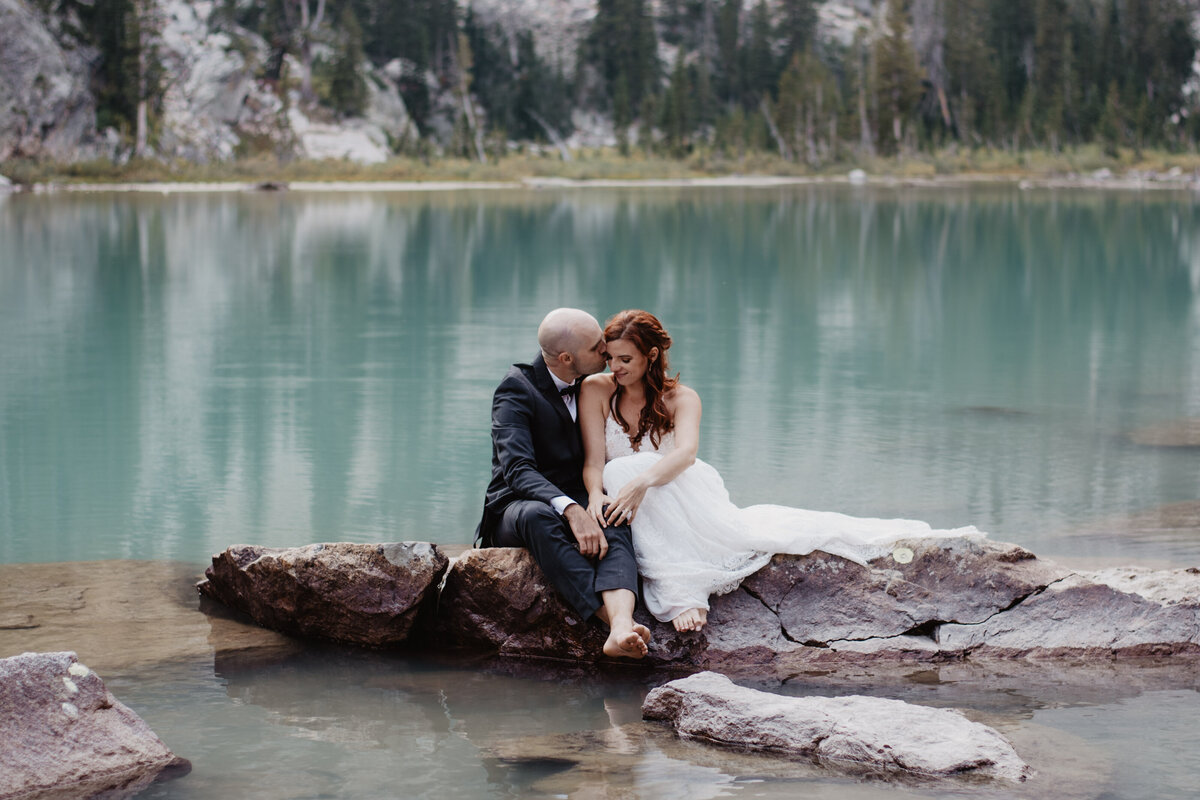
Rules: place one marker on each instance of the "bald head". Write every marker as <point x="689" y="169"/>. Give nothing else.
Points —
<point x="572" y="343"/>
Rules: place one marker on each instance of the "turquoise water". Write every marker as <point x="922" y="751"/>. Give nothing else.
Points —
<point x="180" y="373"/>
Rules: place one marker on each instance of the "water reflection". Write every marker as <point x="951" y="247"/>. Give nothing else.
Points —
<point x="179" y="373"/>
<point x="357" y="724"/>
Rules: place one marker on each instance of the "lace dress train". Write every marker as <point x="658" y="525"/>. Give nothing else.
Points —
<point x="691" y="541"/>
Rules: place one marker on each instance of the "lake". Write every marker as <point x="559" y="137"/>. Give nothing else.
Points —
<point x="183" y="372"/>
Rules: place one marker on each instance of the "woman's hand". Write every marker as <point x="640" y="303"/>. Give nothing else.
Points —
<point x="622" y="510"/>
<point x="595" y="509"/>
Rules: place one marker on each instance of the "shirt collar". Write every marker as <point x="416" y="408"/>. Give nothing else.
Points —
<point x="559" y="383"/>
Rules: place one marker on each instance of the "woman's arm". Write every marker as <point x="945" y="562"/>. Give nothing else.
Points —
<point x="593" y="409"/>
<point x="684" y="405"/>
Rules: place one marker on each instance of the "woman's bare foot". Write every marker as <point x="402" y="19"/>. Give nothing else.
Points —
<point x="627" y="643"/>
<point x="691" y="620"/>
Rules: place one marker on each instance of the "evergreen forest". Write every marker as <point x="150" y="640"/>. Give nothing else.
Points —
<point x="745" y="75"/>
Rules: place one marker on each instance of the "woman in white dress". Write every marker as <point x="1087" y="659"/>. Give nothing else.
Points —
<point x="641" y="433"/>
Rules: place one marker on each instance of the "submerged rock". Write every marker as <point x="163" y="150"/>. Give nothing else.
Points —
<point x="365" y="594"/>
<point x="1175" y="433"/>
<point x="862" y="730"/>
<point x="62" y="732"/>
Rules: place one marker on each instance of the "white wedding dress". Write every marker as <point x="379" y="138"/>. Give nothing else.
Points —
<point x="691" y="541"/>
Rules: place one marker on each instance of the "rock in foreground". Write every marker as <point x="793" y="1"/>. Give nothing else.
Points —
<point x="365" y="594"/>
<point x="61" y="731"/>
<point x="890" y="734"/>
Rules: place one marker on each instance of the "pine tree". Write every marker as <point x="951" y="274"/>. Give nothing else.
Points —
<point x="677" y="115"/>
<point x="347" y="87"/>
<point x="622" y="45"/>
<point x="1112" y="122"/>
<point x="728" y="51"/>
<point x="897" y="78"/>
<point x="757" y="57"/>
<point x="1049" y="74"/>
<point x="808" y="100"/>
<point x="971" y="79"/>
<point x="798" y="26"/>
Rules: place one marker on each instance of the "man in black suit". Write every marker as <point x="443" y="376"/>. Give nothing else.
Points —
<point x="537" y="499"/>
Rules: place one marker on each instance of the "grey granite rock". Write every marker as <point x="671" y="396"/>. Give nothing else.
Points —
<point x="62" y="731"/>
<point x="46" y="108"/>
<point x="1125" y="612"/>
<point x="365" y="594"/>
<point x="864" y="730"/>
<point x="931" y="600"/>
<point x="820" y="598"/>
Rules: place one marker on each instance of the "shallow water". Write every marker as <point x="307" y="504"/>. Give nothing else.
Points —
<point x="181" y="373"/>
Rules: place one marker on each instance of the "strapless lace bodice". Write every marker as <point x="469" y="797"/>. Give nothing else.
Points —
<point x="616" y="441"/>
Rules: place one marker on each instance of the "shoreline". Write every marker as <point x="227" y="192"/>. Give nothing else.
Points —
<point x="1153" y="183"/>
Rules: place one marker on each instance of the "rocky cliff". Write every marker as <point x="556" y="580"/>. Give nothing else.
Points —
<point x="46" y="108"/>
<point x="214" y="104"/>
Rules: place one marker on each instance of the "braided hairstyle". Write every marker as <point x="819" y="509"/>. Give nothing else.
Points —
<point x="645" y="332"/>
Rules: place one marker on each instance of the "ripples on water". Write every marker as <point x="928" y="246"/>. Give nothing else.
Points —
<point x="182" y="373"/>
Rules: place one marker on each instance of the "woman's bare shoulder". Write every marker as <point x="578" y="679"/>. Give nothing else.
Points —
<point x="597" y="386"/>
<point x="682" y="395"/>
<point x="601" y="380"/>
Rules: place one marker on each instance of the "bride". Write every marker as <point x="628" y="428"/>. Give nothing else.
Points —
<point x="641" y="432"/>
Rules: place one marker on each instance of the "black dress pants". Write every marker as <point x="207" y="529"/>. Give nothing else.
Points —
<point x="537" y="527"/>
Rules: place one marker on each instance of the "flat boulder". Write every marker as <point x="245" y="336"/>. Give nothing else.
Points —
<point x="820" y="598"/>
<point x="878" y="732"/>
<point x="362" y="594"/>
<point x="1126" y="612"/>
<point x="63" y="734"/>
<point x="927" y="600"/>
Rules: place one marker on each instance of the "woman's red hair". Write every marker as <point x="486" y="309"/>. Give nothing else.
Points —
<point x="646" y="333"/>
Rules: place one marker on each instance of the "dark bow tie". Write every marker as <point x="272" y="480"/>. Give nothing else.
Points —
<point x="571" y="389"/>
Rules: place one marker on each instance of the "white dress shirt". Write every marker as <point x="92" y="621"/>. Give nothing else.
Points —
<point x="561" y="502"/>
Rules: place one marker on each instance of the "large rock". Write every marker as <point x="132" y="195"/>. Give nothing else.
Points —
<point x="46" y="109"/>
<point x="821" y="599"/>
<point x="942" y="599"/>
<point x="364" y="594"/>
<point x="930" y="600"/>
<point x="864" y="730"/>
<point x="498" y="599"/>
<point x="212" y="85"/>
<point x="62" y="731"/>
<point x="1115" y="612"/>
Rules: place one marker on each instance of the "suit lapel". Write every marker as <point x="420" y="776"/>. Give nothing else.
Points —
<point x="545" y="384"/>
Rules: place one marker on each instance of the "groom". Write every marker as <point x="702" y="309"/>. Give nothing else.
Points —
<point x="537" y="499"/>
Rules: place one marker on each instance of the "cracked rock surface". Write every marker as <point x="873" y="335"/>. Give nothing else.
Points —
<point x="62" y="734"/>
<point x="955" y="598"/>
<point x="930" y="600"/>
<point x="855" y="729"/>
<point x="364" y="594"/>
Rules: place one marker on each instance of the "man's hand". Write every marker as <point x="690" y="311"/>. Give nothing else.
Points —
<point x="587" y="532"/>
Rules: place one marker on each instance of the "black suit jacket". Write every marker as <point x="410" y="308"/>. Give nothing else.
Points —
<point x="537" y="449"/>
